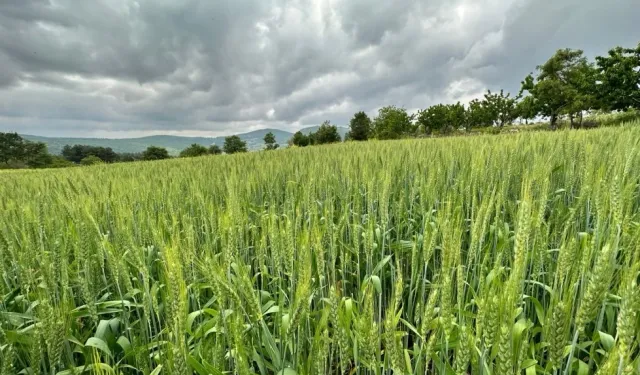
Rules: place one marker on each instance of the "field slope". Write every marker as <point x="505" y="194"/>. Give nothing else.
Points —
<point x="479" y="255"/>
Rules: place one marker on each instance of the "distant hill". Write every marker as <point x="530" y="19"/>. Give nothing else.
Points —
<point x="174" y="144"/>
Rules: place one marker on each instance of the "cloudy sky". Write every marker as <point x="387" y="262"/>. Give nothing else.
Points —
<point x="121" y="68"/>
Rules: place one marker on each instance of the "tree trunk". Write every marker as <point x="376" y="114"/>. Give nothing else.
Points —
<point x="581" y="118"/>
<point x="571" y="121"/>
<point x="554" y="121"/>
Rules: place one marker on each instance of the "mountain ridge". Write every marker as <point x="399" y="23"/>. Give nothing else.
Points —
<point x="173" y="143"/>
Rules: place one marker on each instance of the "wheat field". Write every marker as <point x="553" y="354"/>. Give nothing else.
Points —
<point x="512" y="254"/>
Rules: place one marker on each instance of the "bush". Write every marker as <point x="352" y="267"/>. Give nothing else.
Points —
<point x="193" y="151"/>
<point x="234" y="144"/>
<point x="155" y="153"/>
<point x="91" y="160"/>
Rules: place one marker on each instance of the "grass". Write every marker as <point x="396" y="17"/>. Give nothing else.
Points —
<point x="465" y="255"/>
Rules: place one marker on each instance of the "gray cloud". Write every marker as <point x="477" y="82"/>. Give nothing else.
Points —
<point x="122" y="67"/>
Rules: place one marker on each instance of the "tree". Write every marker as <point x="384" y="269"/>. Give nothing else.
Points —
<point x="76" y="153"/>
<point x="193" y="151"/>
<point x="392" y="123"/>
<point x="155" y="153"/>
<point x="125" y="157"/>
<point x="299" y="139"/>
<point x="359" y="127"/>
<point x="526" y="109"/>
<point x="11" y="147"/>
<point x="327" y="133"/>
<point x="561" y="85"/>
<point x="234" y="144"/>
<point x="15" y="152"/>
<point x="91" y="160"/>
<point x="478" y="114"/>
<point x="59" y="162"/>
<point x="456" y="117"/>
<point x="619" y="77"/>
<point x="270" y="141"/>
<point x="433" y="118"/>
<point x="500" y="108"/>
<point x="215" y="150"/>
<point x="105" y="154"/>
<point x="36" y="155"/>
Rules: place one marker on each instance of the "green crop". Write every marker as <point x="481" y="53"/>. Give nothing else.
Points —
<point x="512" y="254"/>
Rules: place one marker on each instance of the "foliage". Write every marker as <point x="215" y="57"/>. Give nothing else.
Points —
<point x="76" y="153"/>
<point x="565" y="85"/>
<point x="270" y="142"/>
<point x="234" y="144"/>
<point x="433" y="118"/>
<point x="215" y="150"/>
<point x="11" y="147"/>
<point x="359" y="127"/>
<point x="155" y="153"/>
<point x="15" y="152"/>
<point x="478" y="115"/>
<point x="300" y="139"/>
<point x="619" y="76"/>
<point x="456" y="117"/>
<point x="129" y="157"/>
<point x="526" y="109"/>
<point x="36" y="155"/>
<point x="59" y="162"/>
<point x="392" y="123"/>
<point x="501" y="108"/>
<point x="91" y="160"/>
<point x="487" y="255"/>
<point x="193" y="151"/>
<point x="325" y="134"/>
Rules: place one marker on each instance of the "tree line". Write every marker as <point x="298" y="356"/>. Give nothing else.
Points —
<point x="17" y="152"/>
<point x="567" y="86"/>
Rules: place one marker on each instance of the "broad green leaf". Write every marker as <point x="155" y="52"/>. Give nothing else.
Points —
<point x="287" y="371"/>
<point x="607" y="340"/>
<point x="98" y="344"/>
<point x="375" y="280"/>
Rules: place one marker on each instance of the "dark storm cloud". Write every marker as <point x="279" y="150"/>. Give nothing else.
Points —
<point x="112" y="67"/>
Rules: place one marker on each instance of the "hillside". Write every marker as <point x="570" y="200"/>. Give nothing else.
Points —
<point x="173" y="144"/>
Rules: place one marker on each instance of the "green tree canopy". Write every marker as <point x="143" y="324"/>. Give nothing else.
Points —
<point x="76" y="153"/>
<point x="456" y="117"/>
<point x="36" y="155"/>
<point x="526" y="108"/>
<point x="478" y="114"/>
<point x="91" y="160"/>
<point x="500" y="107"/>
<point x="215" y="150"/>
<point x="270" y="142"/>
<point x="193" y="151"/>
<point x="562" y="85"/>
<point x="327" y="133"/>
<point x="11" y="147"/>
<point x="359" y="127"/>
<point x="234" y="144"/>
<point x="433" y="118"/>
<point x="619" y="78"/>
<point x="16" y="152"/>
<point x="155" y="153"/>
<point x="129" y="157"/>
<point x="299" y="139"/>
<point x="392" y="123"/>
